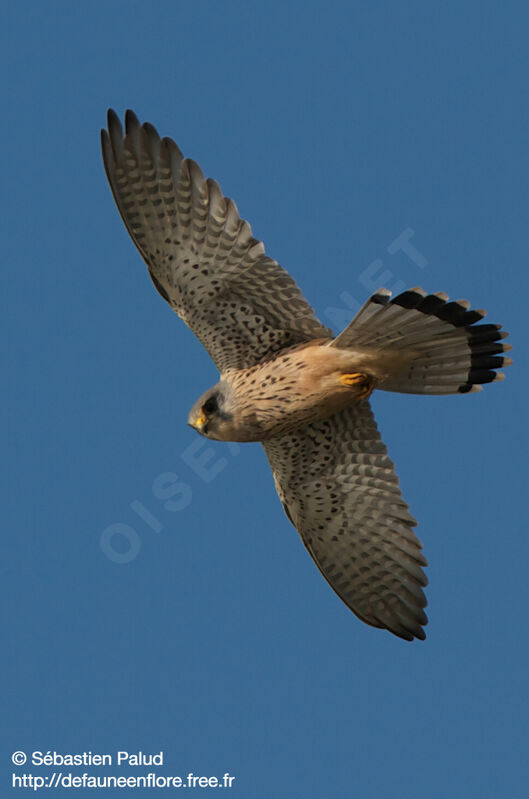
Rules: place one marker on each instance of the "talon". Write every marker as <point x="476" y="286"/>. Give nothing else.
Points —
<point x="364" y="382"/>
<point x="353" y="379"/>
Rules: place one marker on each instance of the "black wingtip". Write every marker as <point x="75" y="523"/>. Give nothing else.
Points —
<point x="381" y="297"/>
<point x="150" y="130"/>
<point x="408" y="299"/>
<point x="431" y="304"/>
<point x="479" y="376"/>
<point x="131" y="120"/>
<point x="468" y="318"/>
<point x="452" y="312"/>
<point x="410" y="635"/>
<point x="487" y="361"/>
<point x="481" y="334"/>
<point x="113" y="120"/>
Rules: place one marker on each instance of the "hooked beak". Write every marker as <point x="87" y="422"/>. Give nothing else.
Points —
<point x="198" y="424"/>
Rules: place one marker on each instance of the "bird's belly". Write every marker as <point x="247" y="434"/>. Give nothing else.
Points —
<point x="298" y="387"/>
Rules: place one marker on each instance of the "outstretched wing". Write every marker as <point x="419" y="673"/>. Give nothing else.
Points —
<point x="339" y="488"/>
<point x="201" y="256"/>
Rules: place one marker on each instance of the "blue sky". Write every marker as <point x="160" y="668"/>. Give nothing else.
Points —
<point x="336" y="127"/>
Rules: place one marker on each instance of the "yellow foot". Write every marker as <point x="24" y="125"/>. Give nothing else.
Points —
<point x="364" y="382"/>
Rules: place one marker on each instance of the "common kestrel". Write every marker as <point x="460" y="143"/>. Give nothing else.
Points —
<point x="287" y="382"/>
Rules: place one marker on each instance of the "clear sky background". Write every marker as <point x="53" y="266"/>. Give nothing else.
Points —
<point x="204" y="629"/>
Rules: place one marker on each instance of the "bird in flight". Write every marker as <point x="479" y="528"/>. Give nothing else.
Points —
<point x="286" y="381"/>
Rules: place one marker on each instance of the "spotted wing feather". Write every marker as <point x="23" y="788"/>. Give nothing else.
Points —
<point x="201" y="256"/>
<point x="340" y="490"/>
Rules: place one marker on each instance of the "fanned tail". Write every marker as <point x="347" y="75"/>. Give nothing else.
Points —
<point x="449" y="352"/>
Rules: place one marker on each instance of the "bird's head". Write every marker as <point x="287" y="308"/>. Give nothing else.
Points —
<point x="212" y="415"/>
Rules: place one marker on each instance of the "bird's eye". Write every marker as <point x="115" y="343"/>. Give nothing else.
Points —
<point x="210" y="405"/>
